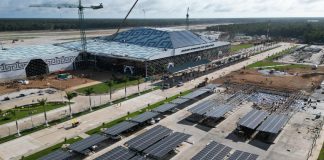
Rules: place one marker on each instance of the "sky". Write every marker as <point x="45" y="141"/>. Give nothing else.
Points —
<point x="168" y="8"/>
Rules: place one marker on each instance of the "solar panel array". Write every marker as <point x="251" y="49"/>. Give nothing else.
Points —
<point x="165" y="107"/>
<point x="119" y="128"/>
<point x="138" y="157"/>
<point x="148" y="138"/>
<point x="144" y="117"/>
<point x="213" y="151"/>
<point x="118" y="153"/>
<point x="240" y="155"/>
<point x="195" y="94"/>
<point x="163" y="147"/>
<point x="253" y="118"/>
<point x="180" y="101"/>
<point x="273" y="124"/>
<point x="57" y="155"/>
<point x="202" y="108"/>
<point x="84" y="144"/>
<point x="219" y="111"/>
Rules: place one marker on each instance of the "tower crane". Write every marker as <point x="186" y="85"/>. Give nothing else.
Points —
<point x="187" y="19"/>
<point x="80" y="8"/>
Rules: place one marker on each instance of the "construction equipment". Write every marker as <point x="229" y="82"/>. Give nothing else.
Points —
<point x="80" y="8"/>
<point x="187" y="19"/>
<point x="75" y="123"/>
<point x="124" y="20"/>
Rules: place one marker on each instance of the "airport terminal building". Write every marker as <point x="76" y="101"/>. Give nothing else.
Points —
<point x="144" y="51"/>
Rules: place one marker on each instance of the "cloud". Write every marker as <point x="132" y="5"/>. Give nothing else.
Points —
<point x="168" y="8"/>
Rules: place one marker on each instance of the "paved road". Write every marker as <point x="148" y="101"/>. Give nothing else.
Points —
<point x="42" y="139"/>
<point x="81" y="103"/>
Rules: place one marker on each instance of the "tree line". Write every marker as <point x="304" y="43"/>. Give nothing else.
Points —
<point x="307" y="32"/>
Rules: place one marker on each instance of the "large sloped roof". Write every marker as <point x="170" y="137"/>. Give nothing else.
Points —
<point x="160" y="38"/>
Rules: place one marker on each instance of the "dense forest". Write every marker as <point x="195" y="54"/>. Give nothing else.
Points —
<point x="64" y="24"/>
<point x="307" y="32"/>
<point x="279" y="27"/>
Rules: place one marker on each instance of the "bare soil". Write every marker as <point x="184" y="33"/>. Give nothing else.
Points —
<point x="296" y="81"/>
<point x="51" y="81"/>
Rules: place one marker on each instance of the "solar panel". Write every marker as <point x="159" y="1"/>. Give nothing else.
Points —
<point x="57" y="155"/>
<point x="148" y="138"/>
<point x="253" y="118"/>
<point x="84" y="144"/>
<point x="118" y="153"/>
<point x="144" y="117"/>
<point x="138" y="157"/>
<point x="180" y="101"/>
<point x="195" y="94"/>
<point x="273" y="124"/>
<point x="165" y="107"/>
<point x="163" y="147"/>
<point x="202" y="108"/>
<point x="119" y="128"/>
<point x="220" y="111"/>
<point x="213" y="151"/>
<point x="240" y="155"/>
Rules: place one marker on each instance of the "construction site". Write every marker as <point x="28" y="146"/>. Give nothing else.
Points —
<point x="150" y="93"/>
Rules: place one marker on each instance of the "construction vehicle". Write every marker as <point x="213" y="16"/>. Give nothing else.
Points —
<point x="75" y="123"/>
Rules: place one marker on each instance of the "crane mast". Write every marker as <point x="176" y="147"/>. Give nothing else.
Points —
<point x="83" y="36"/>
<point x="80" y="8"/>
<point x="187" y="19"/>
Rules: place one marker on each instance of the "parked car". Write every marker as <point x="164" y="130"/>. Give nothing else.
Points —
<point x="166" y="86"/>
<point x="180" y="84"/>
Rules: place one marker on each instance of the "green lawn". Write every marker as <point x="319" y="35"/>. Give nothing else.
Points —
<point x="269" y="61"/>
<point x="51" y="149"/>
<point x="114" y="122"/>
<point x="236" y="48"/>
<point x="103" y="88"/>
<point x="321" y="156"/>
<point x="26" y="112"/>
<point x="262" y="64"/>
<point x="290" y="66"/>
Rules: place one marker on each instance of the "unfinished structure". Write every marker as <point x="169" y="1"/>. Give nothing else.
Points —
<point x="144" y="51"/>
<point x="148" y="51"/>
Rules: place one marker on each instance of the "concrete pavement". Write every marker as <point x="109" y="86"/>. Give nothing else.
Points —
<point x="81" y="103"/>
<point x="50" y="136"/>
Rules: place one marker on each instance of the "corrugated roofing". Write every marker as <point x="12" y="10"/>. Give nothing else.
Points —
<point x="160" y="38"/>
<point x="34" y="51"/>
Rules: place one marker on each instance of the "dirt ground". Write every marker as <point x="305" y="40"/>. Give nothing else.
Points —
<point x="296" y="81"/>
<point x="78" y="78"/>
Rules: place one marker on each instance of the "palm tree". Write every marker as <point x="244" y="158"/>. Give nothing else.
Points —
<point x="138" y="84"/>
<point x="69" y="96"/>
<point x="13" y="113"/>
<point x="110" y="83"/>
<point x="88" y="92"/>
<point x="125" y="79"/>
<point x="43" y="102"/>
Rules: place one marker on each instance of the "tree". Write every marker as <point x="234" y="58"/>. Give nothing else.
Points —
<point x="69" y="96"/>
<point x="88" y="92"/>
<point x="138" y="83"/>
<point x="110" y="83"/>
<point x="125" y="79"/>
<point x="43" y="103"/>
<point x="12" y="112"/>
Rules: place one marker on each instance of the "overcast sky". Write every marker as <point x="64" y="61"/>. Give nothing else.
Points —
<point x="168" y="8"/>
